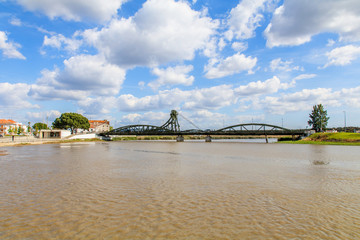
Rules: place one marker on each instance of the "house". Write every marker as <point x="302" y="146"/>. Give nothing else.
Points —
<point x="99" y="126"/>
<point x="8" y="126"/>
<point x="45" y="133"/>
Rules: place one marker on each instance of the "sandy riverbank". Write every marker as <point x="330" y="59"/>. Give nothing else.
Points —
<point x="22" y="143"/>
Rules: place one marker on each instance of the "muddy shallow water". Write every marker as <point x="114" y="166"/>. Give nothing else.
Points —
<point x="189" y="190"/>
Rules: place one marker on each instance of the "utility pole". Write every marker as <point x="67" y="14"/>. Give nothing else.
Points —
<point x="344" y="120"/>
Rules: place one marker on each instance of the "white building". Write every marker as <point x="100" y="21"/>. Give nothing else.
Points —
<point x="54" y="133"/>
<point x="99" y="126"/>
<point x="8" y="126"/>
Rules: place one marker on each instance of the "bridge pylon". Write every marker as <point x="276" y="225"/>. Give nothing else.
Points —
<point x="172" y="124"/>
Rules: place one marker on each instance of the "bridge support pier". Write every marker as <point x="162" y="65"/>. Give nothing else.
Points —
<point x="266" y="139"/>
<point x="208" y="138"/>
<point x="180" y="138"/>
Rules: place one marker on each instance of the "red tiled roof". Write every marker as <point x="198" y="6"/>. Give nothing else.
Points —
<point x="95" y="123"/>
<point x="7" y="122"/>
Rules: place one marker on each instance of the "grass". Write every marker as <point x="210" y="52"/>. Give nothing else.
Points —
<point x="342" y="138"/>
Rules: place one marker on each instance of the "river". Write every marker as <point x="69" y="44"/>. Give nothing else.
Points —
<point x="188" y="190"/>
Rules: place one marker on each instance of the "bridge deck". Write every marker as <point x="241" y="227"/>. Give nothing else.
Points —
<point x="172" y="127"/>
<point x="224" y="133"/>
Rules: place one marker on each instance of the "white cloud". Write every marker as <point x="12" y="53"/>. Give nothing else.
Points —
<point x="278" y="64"/>
<point x="83" y="75"/>
<point x="202" y="119"/>
<point x="342" y="56"/>
<point x="15" y="21"/>
<point x="246" y="17"/>
<point x="172" y="76"/>
<point x="164" y="99"/>
<point x="239" y="46"/>
<point x="59" y="41"/>
<point x="304" y="76"/>
<point x="150" y="118"/>
<point x="97" y="106"/>
<point x="231" y="65"/>
<point x="9" y="49"/>
<point x="269" y="86"/>
<point x="14" y="96"/>
<point x="46" y="92"/>
<point x="131" y="118"/>
<point x="161" y="31"/>
<point x="85" y="72"/>
<point x="330" y="42"/>
<point x="254" y="95"/>
<point x="302" y="100"/>
<point x="94" y="10"/>
<point x="43" y="116"/>
<point x="295" y="22"/>
<point x="206" y="98"/>
<point x="210" y="98"/>
<point x="200" y="99"/>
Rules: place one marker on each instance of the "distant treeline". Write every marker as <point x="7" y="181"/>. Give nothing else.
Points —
<point x="348" y="129"/>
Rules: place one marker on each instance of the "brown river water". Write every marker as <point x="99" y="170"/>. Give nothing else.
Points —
<point x="188" y="190"/>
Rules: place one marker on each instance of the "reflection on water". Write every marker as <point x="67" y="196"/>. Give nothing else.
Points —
<point x="189" y="190"/>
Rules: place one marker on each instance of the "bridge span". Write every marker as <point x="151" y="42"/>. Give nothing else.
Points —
<point x="172" y="127"/>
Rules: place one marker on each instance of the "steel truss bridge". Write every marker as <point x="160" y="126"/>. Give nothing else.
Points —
<point x="172" y="127"/>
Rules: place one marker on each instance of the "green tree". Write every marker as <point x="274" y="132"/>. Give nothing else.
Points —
<point x="38" y="126"/>
<point x="20" y="130"/>
<point x="11" y="130"/>
<point x="318" y="118"/>
<point x="71" y="121"/>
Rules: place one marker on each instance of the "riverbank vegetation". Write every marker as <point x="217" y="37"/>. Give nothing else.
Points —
<point x="342" y="138"/>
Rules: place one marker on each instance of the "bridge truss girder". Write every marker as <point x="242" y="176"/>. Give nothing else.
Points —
<point x="172" y="127"/>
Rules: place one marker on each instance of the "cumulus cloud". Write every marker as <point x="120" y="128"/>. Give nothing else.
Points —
<point x="172" y="76"/>
<point x="14" y="96"/>
<point x="161" y="31"/>
<point x="279" y="65"/>
<point x="164" y="99"/>
<point x="83" y="75"/>
<point x="202" y="119"/>
<point x="60" y="42"/>
<point x="94" y="10"/>
<point x="295" y="22"/>
<point x="47" y="92"/>
<point x="269" y="86"/>
<point x="231" y="65"/>
<point x="97" y="106"/>
<point x="210" y="98"/>
<point x="302" y="100"/>
<point x="150" y="118"/>
<point x="246" y="17"/>
<point x="206" y="98"/>
<point x="42" y="116"/>
<point x="342" y="56"/>
<point x="239" y="46"/>
<point x="9" y="49"/>
<point x="200" y="99"/>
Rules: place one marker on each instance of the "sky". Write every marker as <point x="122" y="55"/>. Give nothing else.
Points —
<point x="218" y="63"/>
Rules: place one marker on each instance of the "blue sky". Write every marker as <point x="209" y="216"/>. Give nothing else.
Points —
<point x="217" y="62"/>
